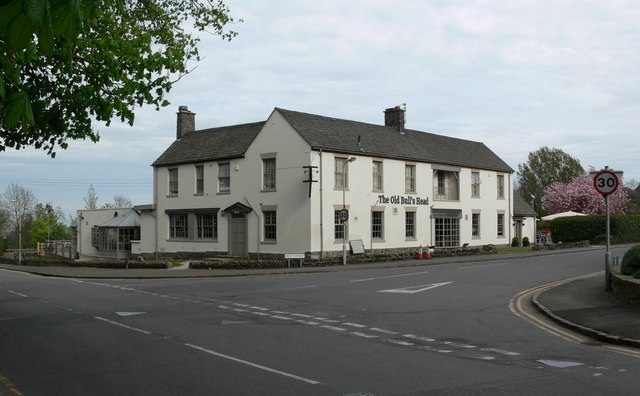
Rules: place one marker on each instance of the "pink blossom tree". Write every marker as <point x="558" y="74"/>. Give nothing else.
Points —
<point x="580" y="196"/>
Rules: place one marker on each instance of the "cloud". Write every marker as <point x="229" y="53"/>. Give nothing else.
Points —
<point x="514" y="75"/>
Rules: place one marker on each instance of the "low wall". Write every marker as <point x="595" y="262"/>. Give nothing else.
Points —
<point x="626" y="288"/>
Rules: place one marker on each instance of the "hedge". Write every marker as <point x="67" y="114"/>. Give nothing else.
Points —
<point x="624" y="229"/>
<point x="115" y="264"/>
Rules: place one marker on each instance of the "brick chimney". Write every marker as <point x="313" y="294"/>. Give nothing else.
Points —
<point x="186" y="122"/>
<point x="394" y="117"/>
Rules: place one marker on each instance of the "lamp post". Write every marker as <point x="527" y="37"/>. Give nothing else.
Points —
<point x="15" y="202"/>
<point x="344" y="223"/>
<point x="46" y="246"/>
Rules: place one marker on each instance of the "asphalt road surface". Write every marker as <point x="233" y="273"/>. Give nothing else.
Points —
<point x="435" y="329"/>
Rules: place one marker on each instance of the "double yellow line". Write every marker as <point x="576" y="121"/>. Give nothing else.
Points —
<point x="517" y="306"/>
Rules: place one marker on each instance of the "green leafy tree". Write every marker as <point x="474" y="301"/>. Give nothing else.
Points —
<point x="64" y="63"/>
<point x="48" y="225"/>
<point x="544" y="167"/>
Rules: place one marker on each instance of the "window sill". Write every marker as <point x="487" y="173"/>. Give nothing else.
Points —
<point x="269" y="242"/>
<point x="198" y="194"/>
<point x="223" y="193"/>
<point x="269" y="190"/>
<point x="172" y="195"/>
<point x="378" y="240"/>
<point x="410" y="239"/>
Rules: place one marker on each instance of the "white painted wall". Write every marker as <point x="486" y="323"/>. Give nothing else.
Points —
<point x="85" y="220"/>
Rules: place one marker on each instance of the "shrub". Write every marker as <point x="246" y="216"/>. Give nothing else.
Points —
<point x="631" y="261"/>
<point x="514" y="242"/>
<point x="525" y="241"/>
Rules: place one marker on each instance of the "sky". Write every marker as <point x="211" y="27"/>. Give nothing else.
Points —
<point x="515" y="75"/>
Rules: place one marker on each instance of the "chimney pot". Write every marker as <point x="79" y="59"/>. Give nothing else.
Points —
<point x="186" y="122"/>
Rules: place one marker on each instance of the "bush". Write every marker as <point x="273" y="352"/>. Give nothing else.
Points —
<point x="631" y="261"/>
<point x="514" y="242"/>
<point x="624" y="229"/>
<point x="525" y="241"/>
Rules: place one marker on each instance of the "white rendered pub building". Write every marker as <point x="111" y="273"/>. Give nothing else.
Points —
<point x="279" y="186"/>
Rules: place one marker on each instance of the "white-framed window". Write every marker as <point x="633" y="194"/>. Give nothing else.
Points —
<point x="270" y="226"/>
<point x="500" y="181"/>
<point x="341" y="173"/>
<point x="410" y="225"/>
<point x="475" y="225"/>
<point x="475" y="184"/>
<point x="199" y="179"/>
<point x="377" y="224"/>
<point x="501" y="224"/>
<point x="95" y="237"/>
<point x="269" y="174"/>
<point x="224" y="177"/>
<point x="377" y="176"/>
<point x="173" y="181"/>
<point x="207" y="224"/>
<point x="178" y="226"/>
<point x="410" y="178"/>
<point x="338" y="227"/>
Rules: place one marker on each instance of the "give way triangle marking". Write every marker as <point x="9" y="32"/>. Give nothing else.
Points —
<point x="123" y="314"/>
<point x="414" y="289"/>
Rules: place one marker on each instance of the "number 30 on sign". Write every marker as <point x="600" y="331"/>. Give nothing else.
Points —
<point x="606" y="182"/>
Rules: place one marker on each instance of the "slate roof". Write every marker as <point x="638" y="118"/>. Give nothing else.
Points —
<point x="522" y="207"/>
<point x="210" y="144"/>
<point x="337" y="135"/>
<point x="128" y="220"/>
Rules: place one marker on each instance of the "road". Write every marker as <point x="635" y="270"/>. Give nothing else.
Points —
<point x="433" y="329"/>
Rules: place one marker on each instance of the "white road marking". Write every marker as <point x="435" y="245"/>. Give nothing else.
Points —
<point x="123" y="325"/>
<point x="414" y="289"/>
<point x="240" y="310"/>
<point x="260" y="313"/>
<point x="303" y="287"/>
<point x="364" y="335"/>
<point x="387" y="277"/>
<point x="258" y="366"/>
<point x="301" y="315"/>
<point x="500" y="351"/>
<point x="16" y="293"/>
<point x="358" y="325"/>
<point x="326" y="320"/>
<point x="307" y="322"/>
<point x="458" y="345"/>
<point x="334" y="328"/>
<point x="419" y="338"/>
<point x="281" y="317"/>
<point x="379" y="330"/>
<point x="399" y="342"/>
<point x="123" y="314"/>
<point x="485" y="265"/>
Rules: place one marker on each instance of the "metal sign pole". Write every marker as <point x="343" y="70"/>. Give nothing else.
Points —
<point x="607" y="255"/>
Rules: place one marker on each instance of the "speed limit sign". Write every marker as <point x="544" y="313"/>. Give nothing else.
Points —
<point x="343" y="215"/>
<point x="606" y="182"/>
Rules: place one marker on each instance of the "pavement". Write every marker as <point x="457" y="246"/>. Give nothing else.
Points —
<point x="582" y="305"/>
